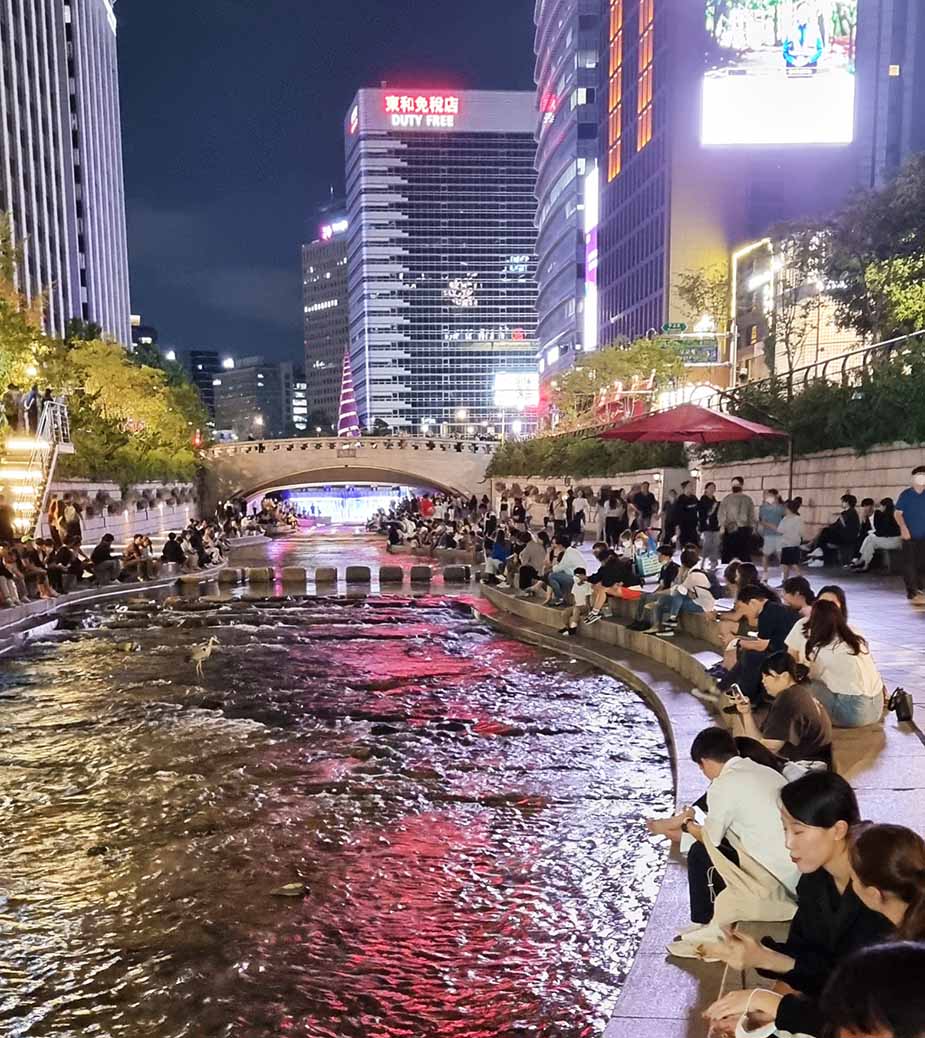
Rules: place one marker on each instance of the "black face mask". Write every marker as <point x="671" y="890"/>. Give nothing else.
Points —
<point x="736" y="489"/>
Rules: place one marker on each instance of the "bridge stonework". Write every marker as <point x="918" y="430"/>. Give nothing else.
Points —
<point x="245" y="469"/>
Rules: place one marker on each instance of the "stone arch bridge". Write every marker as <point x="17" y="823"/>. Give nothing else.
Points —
<point x="245" y="469"/>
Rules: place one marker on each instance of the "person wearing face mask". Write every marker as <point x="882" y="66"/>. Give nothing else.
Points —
<point x="831" y="922"/>
<point x="910" y="515"/>
<point x="737" y="521"/>
<point x="770" y="515"/>
<point x="878" y="993"/>
<point x="883" y="535"/>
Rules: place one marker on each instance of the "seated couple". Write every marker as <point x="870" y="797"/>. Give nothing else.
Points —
<point x="615" y="577"/>
<point x="772" y="850"/>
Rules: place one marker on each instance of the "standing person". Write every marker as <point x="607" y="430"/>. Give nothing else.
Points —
<point x="910" y="515"/>
<point x="614" y="520"/>
<point x="737" y="520"/>
<point x="883" y="535"/>
<point x="580" y="517"/>
<point x="687" y="515"/>
<point x="12" y="406"/>
<point x="708" y="521"/>
<point x="670" y="516"/>
<point x="770" y="515"/>
<point x="31" y="408"/>
<point x="646" y="505"/>
<point x="790" y="531"/>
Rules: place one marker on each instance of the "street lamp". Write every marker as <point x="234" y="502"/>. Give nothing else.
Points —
<point x="461" y="414"/>
<point x="517" y="427"/>
<point x="318" y="429"/>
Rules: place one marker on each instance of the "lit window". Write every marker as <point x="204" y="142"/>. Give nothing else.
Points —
<point x="645" y="85"/>
<point x="615" y="122"/>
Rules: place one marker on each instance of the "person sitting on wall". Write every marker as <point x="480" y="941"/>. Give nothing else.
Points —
<point x="106" y="566"/>
<point x="738" y="866"/>
<point x="616" y="577"/>
<point x="797" y="727"/>
<point x="882" y="535"/>
<point x="841" y="535"/>
<point x="667" y="578"/>
<point x="746" y="654"/>
<point x="582" y="590"/>
<point x="692" y="594"/>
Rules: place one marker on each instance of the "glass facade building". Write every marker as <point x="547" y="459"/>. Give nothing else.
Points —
<point x="567" y="43"/>
<point x="61" y="159"/>
<point x="325" y="306"/>
<point x="254" y="399"/>
<point x="441" y="254"/>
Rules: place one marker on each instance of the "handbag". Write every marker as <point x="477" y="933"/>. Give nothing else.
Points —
<point x="648" y="564"/>
<point x="901" y="702"/>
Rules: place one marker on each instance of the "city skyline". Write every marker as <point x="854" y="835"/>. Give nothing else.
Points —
<point x="217" y="219"/>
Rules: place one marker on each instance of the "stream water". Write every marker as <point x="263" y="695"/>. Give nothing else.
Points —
<point x="370" y="818"/>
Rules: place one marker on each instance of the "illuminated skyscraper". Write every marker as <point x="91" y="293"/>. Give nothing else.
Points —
<point x="324" y="296"/>
<point x="568" y="36"/>
<point x="441" y="255"/>
<point x="61" y="159"/>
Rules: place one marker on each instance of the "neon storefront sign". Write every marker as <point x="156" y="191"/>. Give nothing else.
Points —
<point x="422" y="111"/>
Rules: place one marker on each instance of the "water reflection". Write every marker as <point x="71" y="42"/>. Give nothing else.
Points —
<point x="462" y="811"/>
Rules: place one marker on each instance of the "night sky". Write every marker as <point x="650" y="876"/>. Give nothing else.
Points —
<point x="232" y="129"/>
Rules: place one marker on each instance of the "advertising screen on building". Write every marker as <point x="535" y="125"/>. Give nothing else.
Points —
<point x="516" y="389"/>
<point x="780" y="72"/>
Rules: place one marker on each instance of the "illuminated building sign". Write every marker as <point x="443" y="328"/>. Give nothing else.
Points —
<point x="517" y="389"/>
<point x="354" y="120"/>
<point x="592" y="188"/>
<point x="501" y="334"/>
<point x="422" y="111"/>
<point x="330" y="230"/>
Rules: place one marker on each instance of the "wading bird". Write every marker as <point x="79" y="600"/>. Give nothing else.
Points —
<point x="201" y="653"/>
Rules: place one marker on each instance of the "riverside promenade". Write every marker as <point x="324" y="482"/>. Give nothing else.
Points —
<point x="662" y="997"/>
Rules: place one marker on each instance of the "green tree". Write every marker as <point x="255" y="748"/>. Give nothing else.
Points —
<point x="574" y="393"/>
<point x="705" y="293"/>
<point x="20" y="319"/>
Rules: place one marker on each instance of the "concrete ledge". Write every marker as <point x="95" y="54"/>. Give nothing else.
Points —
<point x="259" y="575"/>
<point x="457" y="574"/>
<point x="326" y="575"/>
<point x="359" y="575"/>
<point x="231" y="575"/>
<point x="421" y="574"/>
<point x="294" y="575"/>
<point x="391" y="575"/>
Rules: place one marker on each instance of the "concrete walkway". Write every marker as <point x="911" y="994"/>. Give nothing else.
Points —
<point x="665" y="998"/>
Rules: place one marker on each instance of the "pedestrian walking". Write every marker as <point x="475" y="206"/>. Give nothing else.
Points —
<point x="12" y="406"/>
<point x="737" y="521"/>
<point x="910" y="515"/>
<point x="708" y="520"/>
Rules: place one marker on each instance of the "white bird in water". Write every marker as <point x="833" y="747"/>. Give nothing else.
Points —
<point x="201" y="653"/>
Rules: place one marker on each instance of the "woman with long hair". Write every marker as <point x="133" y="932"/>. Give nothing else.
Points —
<point x="839" y="658"/>
<point x="831" y="922"/>
<point x="888" y="875"/>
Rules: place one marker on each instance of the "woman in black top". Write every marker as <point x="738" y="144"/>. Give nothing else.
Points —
<point x="885" y="536"/>
<point x="831" y="921"/>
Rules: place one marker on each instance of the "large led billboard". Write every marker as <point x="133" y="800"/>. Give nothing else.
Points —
<point x="780" y="72"/>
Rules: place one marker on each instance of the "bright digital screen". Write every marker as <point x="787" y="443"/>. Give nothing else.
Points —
<point x="780" y="72"/>
<point x="517" y="389"/>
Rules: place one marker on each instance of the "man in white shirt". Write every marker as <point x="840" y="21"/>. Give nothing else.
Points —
<point x="561" y="576"/>
<point x="742" y="802"/>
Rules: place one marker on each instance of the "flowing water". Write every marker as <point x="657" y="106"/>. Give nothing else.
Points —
<point x="454" y="816"/>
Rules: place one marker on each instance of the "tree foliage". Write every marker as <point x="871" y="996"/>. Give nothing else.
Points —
<point x="130" y="421"/>
<point x="574" y="393"/>
<point x="581" y="456"/>
<point x="706" y="293"/>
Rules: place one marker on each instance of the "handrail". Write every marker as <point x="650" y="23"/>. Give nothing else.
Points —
<point x="840" y="368"/>
<point x="415" y="443"/>
<point x="53" y="430"/>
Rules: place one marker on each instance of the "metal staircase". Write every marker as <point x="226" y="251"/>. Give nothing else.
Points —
<point x="28" y="466"/>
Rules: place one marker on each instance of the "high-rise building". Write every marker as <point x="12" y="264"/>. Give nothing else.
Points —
<point x="567" y="42"/>
<point x="891" y="66"/>
<point x="324" y="295"/>
<point x="441" y="257"/>
<point x="300" y="408"/>
<point x="700" y="157"/>
<point x="254" y="399"/>
<point x="205" y="369"/>
<point x="61" y="159"/>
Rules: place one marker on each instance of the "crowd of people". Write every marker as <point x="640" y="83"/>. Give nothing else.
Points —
<point x="23" y="409"/>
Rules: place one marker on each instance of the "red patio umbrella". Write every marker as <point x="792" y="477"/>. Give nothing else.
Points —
<point x="689" y="424"/>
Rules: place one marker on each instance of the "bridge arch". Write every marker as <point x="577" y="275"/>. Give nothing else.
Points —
<point x="246" y="469"/>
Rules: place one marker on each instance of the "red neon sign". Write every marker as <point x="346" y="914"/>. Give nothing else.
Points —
<point x="421" y="104"/>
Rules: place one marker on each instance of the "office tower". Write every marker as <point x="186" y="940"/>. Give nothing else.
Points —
<point x="300" y="408"/>
<point x="61" y="159"/>
<point x="324" y="294"/>
<point x="254" y="399"/>
<point x="702" y="155"/>
<point x="567" y="42"/>
<point x="440" y="257"/>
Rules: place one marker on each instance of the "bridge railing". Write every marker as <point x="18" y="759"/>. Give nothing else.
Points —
<point x="343" y="447"/>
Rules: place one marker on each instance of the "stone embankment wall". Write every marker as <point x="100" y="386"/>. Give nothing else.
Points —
<point x="820" y="479"/>
<point x="152" y="508"/>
